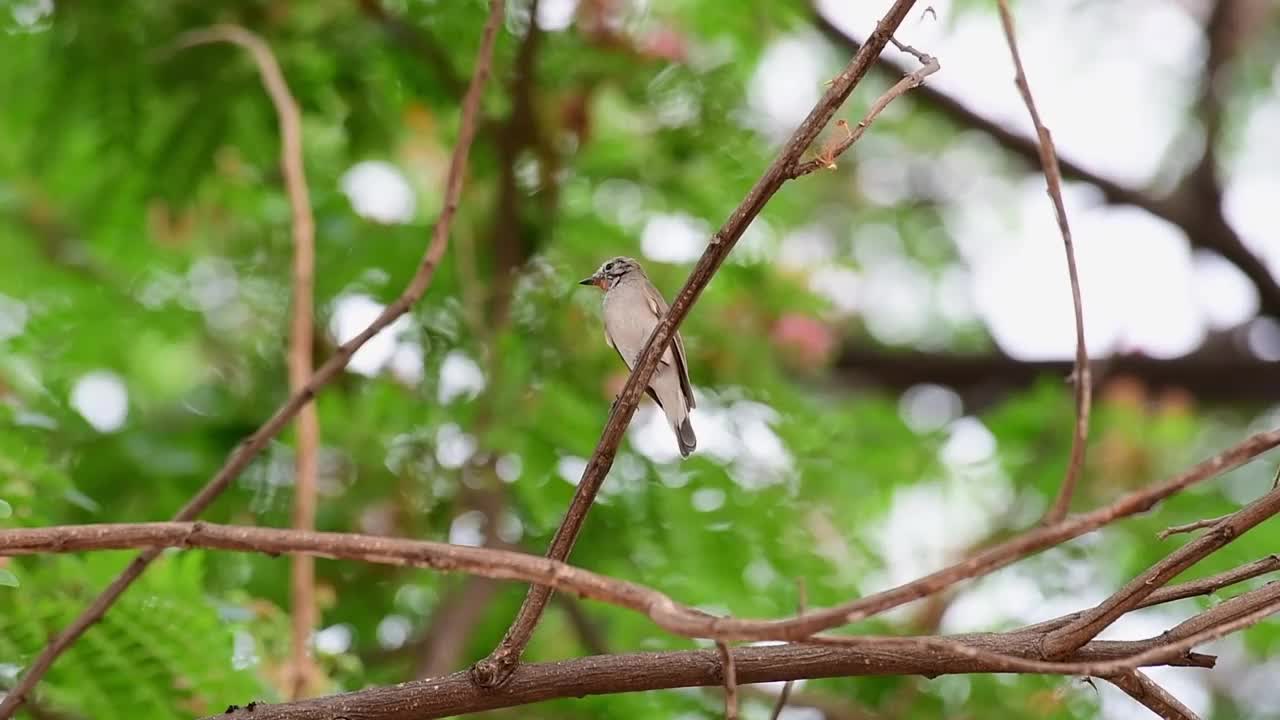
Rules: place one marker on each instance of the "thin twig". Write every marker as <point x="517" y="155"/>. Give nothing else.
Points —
<point x="301" y="334"/>
<point x="497" y="667"/>
<point x="826" y="158"/>
<point x="1080" y="377"/>
<point x="1191" y="526"/>
<point x="1150" y="695"/>
<point x="1093" y="621"/>
<point x="802" y="602"/>
<point x="730" y="681"/>
<point x="244" y="453"/>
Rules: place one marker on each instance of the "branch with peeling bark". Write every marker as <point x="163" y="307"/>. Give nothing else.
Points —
<point x="244" y="453"/>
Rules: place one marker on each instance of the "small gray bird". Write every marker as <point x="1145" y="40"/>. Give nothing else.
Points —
<point x="632" y="309"/>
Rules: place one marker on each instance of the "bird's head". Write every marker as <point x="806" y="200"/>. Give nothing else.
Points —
<point x="611" y="272"/>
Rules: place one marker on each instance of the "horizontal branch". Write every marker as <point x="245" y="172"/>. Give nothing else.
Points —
<point x="634" y="672"/>
<point x="668" y="614"/>
<point x="479" y="561"/>
<point x="1209" y="376"/>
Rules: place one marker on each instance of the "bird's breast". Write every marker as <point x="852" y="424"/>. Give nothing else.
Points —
<point x="628" y="320"/>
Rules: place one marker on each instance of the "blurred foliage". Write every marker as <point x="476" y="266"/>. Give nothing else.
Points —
<point x="144" y="234"/>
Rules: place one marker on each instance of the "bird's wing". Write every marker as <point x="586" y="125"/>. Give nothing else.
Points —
<point x="608" y="339"/>
<point x="660" y="308"/>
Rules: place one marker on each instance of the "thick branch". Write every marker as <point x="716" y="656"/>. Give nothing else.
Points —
<point x="634" y="672"/>
<point x="494" y="669"/>
<point x="1091" y="622"/>
<point x="250" y="447"/>
<point x="1053" y="177"/>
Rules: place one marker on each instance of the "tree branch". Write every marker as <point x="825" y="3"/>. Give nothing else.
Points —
<point x="1210" y="375"/>
<point x="729" y="672"/>
<point x="827" y="157"/>
<point x="992" y="558"/>
<point x="505" y="565"/>
<point x="479" y="561"/>
<point x="1015" y="651"/>
<point x="493" y="670"/>
<point x="802" y="602"/>
<point x="251" y="446"/>
<point x="635" y="672"/>
<point x="1144" y="690"/>
<point x="1190" y="527"/>
<point x="300" y="336"/>
<point x="1204" y="227"/>
<point x="1065" y="639"/>
<point x="1053" y="177"/>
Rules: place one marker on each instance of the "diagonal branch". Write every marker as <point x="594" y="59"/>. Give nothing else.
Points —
<point x="1065" y="639"/>
<point x="1181" y="591"/>
<point x="495" y="669"/>
<point x="827" y="157"/>
<point x="1005" y="553"/>
<point x="1146" y="691"/>
<point x="251" y="446"/>
<point x="301" y="333"/>
<point x="1053" y="177"/>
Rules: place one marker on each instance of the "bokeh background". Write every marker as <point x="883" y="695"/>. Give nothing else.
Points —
<point x="879" y="367"/>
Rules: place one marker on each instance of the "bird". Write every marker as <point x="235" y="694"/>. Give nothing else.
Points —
<point x="632" y="308"/>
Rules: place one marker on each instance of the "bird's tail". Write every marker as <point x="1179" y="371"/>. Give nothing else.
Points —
<point x="666" y="385"/>
<point x="684" y="434"/>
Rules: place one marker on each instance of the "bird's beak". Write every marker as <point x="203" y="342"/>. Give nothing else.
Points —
<point x="593" y="280"/>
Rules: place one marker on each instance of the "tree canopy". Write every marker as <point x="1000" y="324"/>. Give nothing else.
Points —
<point x="870" y="405"/>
